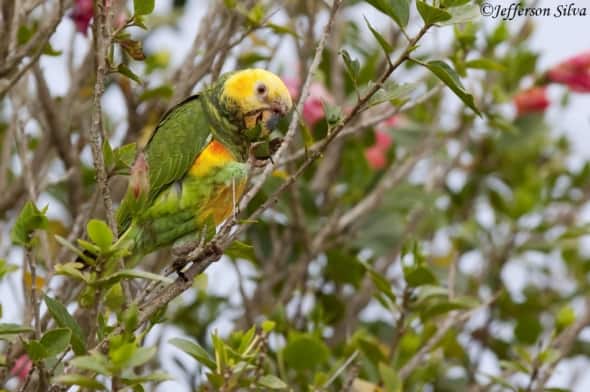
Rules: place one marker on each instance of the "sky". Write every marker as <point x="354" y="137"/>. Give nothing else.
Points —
<point x="555" y="38"/>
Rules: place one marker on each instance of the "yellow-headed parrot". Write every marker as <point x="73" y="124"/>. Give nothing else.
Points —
<point x="194" y="168"/>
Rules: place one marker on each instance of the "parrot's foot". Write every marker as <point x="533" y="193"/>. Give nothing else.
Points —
<point x="177" y="266"/>
<point x="211" y="250"/>
<point x="261" y="152"/>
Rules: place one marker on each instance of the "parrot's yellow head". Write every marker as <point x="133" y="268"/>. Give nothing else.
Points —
<point x="258" y="97"/>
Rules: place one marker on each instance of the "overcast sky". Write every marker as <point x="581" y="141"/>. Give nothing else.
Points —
<point x="555" y="38"/>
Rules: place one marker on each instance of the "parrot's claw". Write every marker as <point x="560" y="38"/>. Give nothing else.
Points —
<point x="182" y="276"/>
<point x="177" y="266"/>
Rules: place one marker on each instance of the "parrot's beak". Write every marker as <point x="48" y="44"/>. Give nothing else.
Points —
<point x="274" y="115"/>
<point x="267" y="117"/>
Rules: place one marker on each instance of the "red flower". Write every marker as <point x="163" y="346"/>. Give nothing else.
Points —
<point x="376" y="157"/>
<point x="313" y="108"/>
<point x="383" y="139"/>
<point x="531" y="101"/>
<point x="22" y="367"/>
<point x="82" y="15"/>
<point x="574" y="73"/>
<point x="388" y="123"/>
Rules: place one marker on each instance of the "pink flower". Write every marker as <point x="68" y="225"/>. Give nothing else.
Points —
<point x="22" y="367"/>
<point x="531" y="101"/>
<point x="293" y="86"/>
<point x="388" y="123"/>
<point x="574" y="73"/>
<point x="313" y="108"/>
<point x="376" y="157"/>
<point x="82" y="14"/>
<point x="383" y="140"/>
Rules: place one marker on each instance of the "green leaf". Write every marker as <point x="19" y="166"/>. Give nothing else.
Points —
<point x="143" y="7"/>
<point x="333" y="113"/>
<point x="462" y="14"/>
<point x="391" y="379"/>
<point x="565" y="317"/>
<point x="29" y="219"/>
<point x="353" y="66"/>
<point x="124" y="157"/>
<point x="268" y="326"/>
<point x="418" y="275"/>
<point x="139" y="21"/>
<point x="157" y="376"/>
<point x="248" y="59"/>
<point x="6" y="268"/>
<point x="63" y="319"/>
<point x="304" y="351"/>
<point x="200" y="282"/>
<point x="382" y="285"/>
<point x="387" y="48"/>
<point x="78" y="252"/>
<point x="445" y="306"/>
<point x="271" y="382"/>
<point x="431" y="15"/>
<point x="398" y="10"/>
<point x="50" y="51"/>
<point x="130" y="318"/>
<point x="13" y="329"/>
<point x="100" y="233"/>
<point x="487" y="64"/>
<point x="129" y="273"/>
<point x="282" y="30"/>
<point x="240" y="250"/>
<point x="141" y="356"/>
<point x="71" y="269"/>
<point x="121" y="351"/>
<point x="107" y="153"/>
<point x="78" y="379"/>
<point x="126" y="71"/>
<point x="56" y="340"/>
<point x="220" y="350"/>
<point x="194" y="350"/>
<point x="528" y="329"/>
<point x="165" y="91"/>
<point x="392" y="92"/>
<point x="90" y="247"/>
<point x="449" y="77"/>
<point x="24" y="34"/>
<point x="97" y="363"/>
<point x="35" y="350"/>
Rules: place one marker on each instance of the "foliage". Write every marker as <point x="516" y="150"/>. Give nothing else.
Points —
<point x="418" y="221"/>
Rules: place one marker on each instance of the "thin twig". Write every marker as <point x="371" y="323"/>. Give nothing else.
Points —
<point x="102" y="42"/>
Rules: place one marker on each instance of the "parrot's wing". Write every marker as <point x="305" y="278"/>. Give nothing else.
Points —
<point x="178" y="139"/>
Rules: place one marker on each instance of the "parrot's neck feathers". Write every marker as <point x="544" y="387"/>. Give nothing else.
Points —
<point x="222" y="124"/>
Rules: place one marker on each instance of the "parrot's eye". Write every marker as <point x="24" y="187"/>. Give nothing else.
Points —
<point x="261" y="90"/>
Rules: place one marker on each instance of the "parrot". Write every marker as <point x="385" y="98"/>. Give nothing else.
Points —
<point x="195" y="166"/>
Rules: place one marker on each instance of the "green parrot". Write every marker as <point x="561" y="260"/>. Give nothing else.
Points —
<point x="194" y="168"/>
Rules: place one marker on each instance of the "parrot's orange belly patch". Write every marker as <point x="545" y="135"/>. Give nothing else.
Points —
<point x="223" y="203"/>
<point x="214" y="155"/>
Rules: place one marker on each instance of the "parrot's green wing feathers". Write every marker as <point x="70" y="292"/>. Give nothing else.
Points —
<point x="180" y="136"/>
